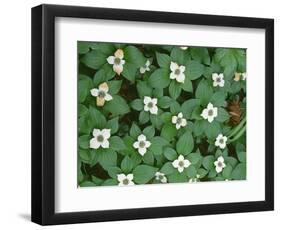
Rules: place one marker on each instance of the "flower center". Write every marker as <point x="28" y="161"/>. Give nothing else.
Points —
<point x="219" y="164"/>
<point x="218" y="79"/>
<point x="126" y="181"/>
<point x="210" y="112"/>
<point x="117" y="61"/>
<point x="177" y="71"/>
<point x="100" y="138"/>
<point x="160" y="177"/>
<point x="179" y="120"/>
<point x="150" y="105"/>
<point x="221" y="141"/>
<point x="101" y="94"/>
<point x="142" y="144"/>
<point x="181" y="163"/>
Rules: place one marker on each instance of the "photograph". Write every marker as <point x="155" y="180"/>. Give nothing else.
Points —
<point x="160" y="114"/>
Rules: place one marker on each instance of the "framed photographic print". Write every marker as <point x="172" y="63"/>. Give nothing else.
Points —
<point x="142" y="114"/>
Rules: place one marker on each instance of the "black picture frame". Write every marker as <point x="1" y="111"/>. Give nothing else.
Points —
<point x="43" y="114"/>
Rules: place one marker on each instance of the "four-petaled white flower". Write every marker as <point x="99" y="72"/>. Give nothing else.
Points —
<point x="101" y="94"/>
<point x="125" y="179"/>
<point x="184" y="47"/>
<point x="218" y="80"/>
<point x="219" y="163"/>
<point x="221" y="141"/>
<point x="145" y="68"/>
<point x="117" y="61"/>
<point x="177" y="72"/>
<point x="181" y="163"/>
<point x="210" y="113"/>
<point x="150" y="104"/>
<point x="179" y="121"/>
<point x="141" y="144"/>
<point x="100" y="138"/>
<point x="194" y="179"/>
<point x="161" y="177"/>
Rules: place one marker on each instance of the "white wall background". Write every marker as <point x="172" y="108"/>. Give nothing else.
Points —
<point x="15" y="113"/>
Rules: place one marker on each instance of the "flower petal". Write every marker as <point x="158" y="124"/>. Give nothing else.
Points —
<point x="147" y="144"/>
<point x="96" y="132"/>
<point x="95" y="92"/>
<point x="142" y="70"/>
<point x="146" y="100"/>
<point x="94" y="144"/>
<point x="146" y="108"/>
<point x="142" y="151"/>
<point x="164" y="180"/>
<point x="180" y="115"/>
<point x="204" y="113"/>
<point x="154" y="101"/>
<point x="105" y="144"/>
<point x="183" y="122"/>
<point x="180" y="169"/>
<point x="103" y="87"/>
<point x="108" y="97"/>
<point x="118" y="69"/>
<point x="130" y="176"/>
<point x="180" y="78"/>
<point x="173" y="66"/>
<point x="100" y="101"/>
<point x="154" y="110"/>
<point x="178" y="126"/>
<point x="119" y="54"/>
<point x="182" y="68"/>
<point x="174" y="119"/>
<point x="106" y="133"/>
<point x="186" y="163"/>
<point x="110" y="60"/>
<point x="210" y="119"/>
<point x="173" y="76"/>
<point x="175" y="163"/>
<point x="218" y="169"/>
<point x="136" y="145"/>
<point x="181" y="158"/>
<point x="214" y="76"/>
<point x="141" y="137"/>
<point x="221" y="159"/>
<point x="215" y="111"/>
<point x="210" y="106"/>
<point x="121" y="177"/>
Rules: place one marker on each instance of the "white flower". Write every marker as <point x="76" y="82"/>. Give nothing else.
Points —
<point x="210" y="113"/>
<point x="177" y="72"/>
<point x="101" y="94"/>
<point x="145" y="68"/>
<point x="141" y="144"/>
<point x="221" y="141"/>
<point x="161" y="177"/>
<point x="184" y="47"/>
<point x="244" y="76"/>
<point x="125" y="179"/>
<point x="100" y="138"/>
<point x="218" y="80"/>
<point x="219" y="163"/>
<point x="117" y="61"/>
<point x="240" y="76"/>
<point x="181" y="163"/>
<point x="150" y="104"/>
<point x="179" y="121"/>
<point x="193" y="180"/>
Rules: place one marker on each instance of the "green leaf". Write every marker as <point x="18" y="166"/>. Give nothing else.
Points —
<point x="194" y="158"/>
<point x="94" y="59"/>
<point x="177" y="177"/>
<point x="164" y="102"/>
<point x="241" y="156"/>
<point x="196" y="113"/>
<point x="204" y="92"/>
<point x="163" y="60"/>
<point x="144" y="173"/>
<point x="106" y="48"/>
<point x="127" y="164"/>
<point x="187" y="85"/>
<point x="96" y="118"/>
<point x="113" y="125"/>
<point x="83" y="90"/>
<point x="200" y="55"/>
<point x="156" y="121"/>
<point x="129" y="72"/>
<point x="191" y="171"/>
<point x="116" y="143"/>
<point x="144" y="89"/>
<point x="168" y="131"/>
<point x="194" y="70"/>
<point x="148" y="158"/>
<point x="170" y="153"/>
<point x="113" y="171"/>
<point x="143" y="117"/>
<point x="226" y="173"/>
<point x="175" y="89"/>
<point x="106" y="157"/>
<point x="218" y="99"/>
<point x="188" y="106"/>
<point x="199" y="127"/>
<point x="149" y="132"/>
<point x="87" y="184"/>
<point x="185" y="144"/>
<point x="133" y="55"/>
<point x="202" y="172"/>
<point x="239" y="173"/>
<point x="137" y="104"/>
<point x="178" y="56"/>
<point x="83" y="47"/>
<point x="157" y="144"/>
<point x="212" y="129"/>
<point x="168" y="168"/>
<point x="99" y="78"/>
<point x="159" y="78"/>
<point x="109" y="182"/>
<point x="135" y="131"/>
<point x="114" y="86"/>
<point x="208" y="162"/>
<point x="223" y="115"/>
<point x="117" y="106"/>
<point x="82" y="110"/>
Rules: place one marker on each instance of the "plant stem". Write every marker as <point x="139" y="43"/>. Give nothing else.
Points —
<point x="238" y="135"/>
<point x="237" y="128"/>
